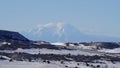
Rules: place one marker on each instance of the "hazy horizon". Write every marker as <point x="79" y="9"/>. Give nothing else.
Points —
<point x="89" y="16"/>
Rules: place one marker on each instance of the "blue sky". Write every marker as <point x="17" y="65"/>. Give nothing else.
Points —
<point x="97" y="17"/>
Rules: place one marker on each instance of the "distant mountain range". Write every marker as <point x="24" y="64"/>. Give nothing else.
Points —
<point x="63" y="33"/>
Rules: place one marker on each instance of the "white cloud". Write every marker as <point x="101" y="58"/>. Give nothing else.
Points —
<point x="49" y="25"/>
<point x="41" y="26"/>
<point x="45" y="25"/>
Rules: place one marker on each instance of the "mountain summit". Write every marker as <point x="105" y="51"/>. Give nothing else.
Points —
<point x="61" y="32"/>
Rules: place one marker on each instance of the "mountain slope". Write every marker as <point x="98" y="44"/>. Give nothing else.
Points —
<point x="56" y="33"/>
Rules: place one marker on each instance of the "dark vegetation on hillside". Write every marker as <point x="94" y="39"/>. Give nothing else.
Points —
<point x="57" y="57"/>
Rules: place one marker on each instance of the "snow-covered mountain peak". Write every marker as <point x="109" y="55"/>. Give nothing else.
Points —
<point x="51" y="32"/>
<point x="56" y="28"/>
<point x="62" y="32"/>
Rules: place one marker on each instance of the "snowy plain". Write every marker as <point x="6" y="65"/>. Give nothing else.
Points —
<point x="53" y="64"/>
<point x="50" y="51"/>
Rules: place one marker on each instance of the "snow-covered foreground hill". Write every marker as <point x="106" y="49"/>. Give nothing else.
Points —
<point x="67" y="55"/>
<point x="50" y="58"/>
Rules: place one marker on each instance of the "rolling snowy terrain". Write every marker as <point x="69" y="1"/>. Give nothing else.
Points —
<point x="16" y="51"/>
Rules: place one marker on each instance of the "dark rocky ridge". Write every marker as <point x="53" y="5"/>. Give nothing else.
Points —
<point x="15" y="40"/>
<point x="10" y="35"/>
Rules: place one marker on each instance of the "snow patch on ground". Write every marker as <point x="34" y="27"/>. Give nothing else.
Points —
<point x="58" y="44"/>
<point x="23" y="64"/>
<point x="116" y="50"/>
<point x="54" y="64"/>
<point x="5" y="57"/>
